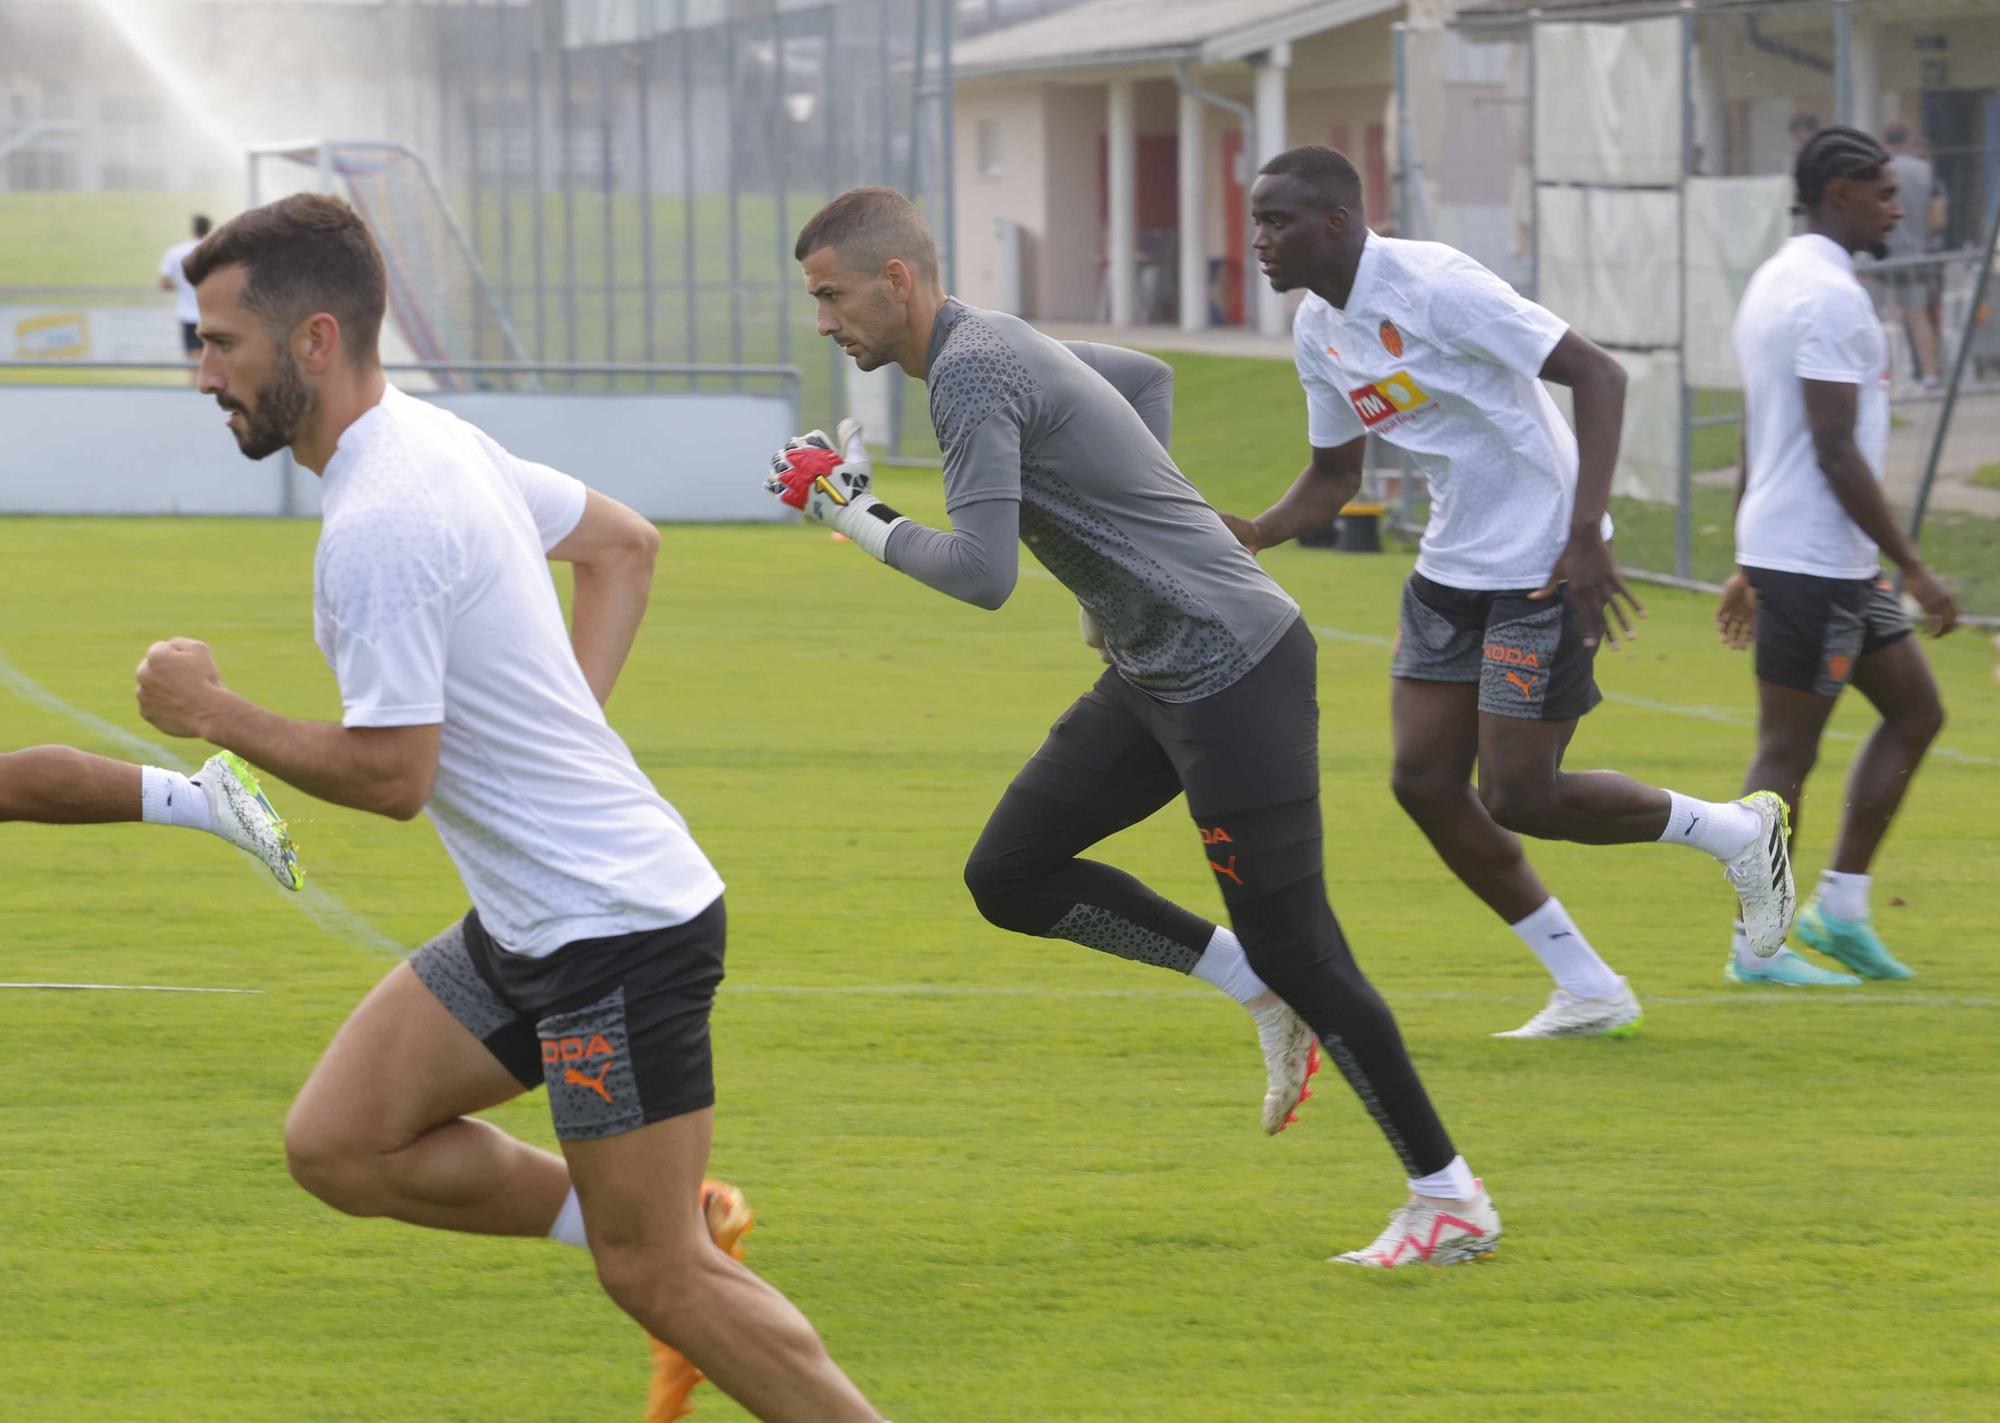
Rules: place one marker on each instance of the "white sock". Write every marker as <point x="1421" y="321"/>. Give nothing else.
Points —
<point x="1844" y="896"/>
<point x="568" y="1229"/>
<point x="1565" y="953"/>
<point x="1454" y="1183"/>
<point x="1739" y="947"/>
<point x="1222" y="964"/>
<point x="1723" y="828"/>
<point x="169" y="798"/>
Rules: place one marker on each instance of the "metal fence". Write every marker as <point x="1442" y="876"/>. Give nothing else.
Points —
<point x="632" y="176"/>
<point x="1638" y="204"/>
<point x="572" y="181"/>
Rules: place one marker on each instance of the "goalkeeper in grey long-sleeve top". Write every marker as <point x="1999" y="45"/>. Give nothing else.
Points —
<point x="1211" y="686"/>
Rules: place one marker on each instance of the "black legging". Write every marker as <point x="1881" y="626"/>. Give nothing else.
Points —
<point x="1110" y="763"/>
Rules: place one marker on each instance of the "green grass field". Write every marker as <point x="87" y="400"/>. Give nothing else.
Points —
<point x="1010" y="1179"/>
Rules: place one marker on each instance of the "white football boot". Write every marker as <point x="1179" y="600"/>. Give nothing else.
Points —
<point x="1428" y="1231"/>
<point x="1291" y="1057"/>
<point x="240" y="813"/>
<point x="1762" y="875"/>
<point x="1568" y="1015"/>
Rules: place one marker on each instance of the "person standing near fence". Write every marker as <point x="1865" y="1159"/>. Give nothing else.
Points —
<point x="1808" y="591"/>
<point x="173" y="279"/>
<point x="1922" y="202"/>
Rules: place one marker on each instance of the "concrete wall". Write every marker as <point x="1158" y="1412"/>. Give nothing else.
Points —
<point x="1018" y="191"/>
<point x="124" y="450"/>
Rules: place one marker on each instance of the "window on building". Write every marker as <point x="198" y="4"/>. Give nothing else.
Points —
<point x="989" y="148"/>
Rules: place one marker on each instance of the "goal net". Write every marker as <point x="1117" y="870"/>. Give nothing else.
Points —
<point x="442" y="310"/>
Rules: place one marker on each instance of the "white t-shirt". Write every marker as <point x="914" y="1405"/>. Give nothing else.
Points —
<point x="1804" y="316"/>
<point x="1440" y="357"/>
<point x="432" y="601"/>
<point x="185" y="305"/>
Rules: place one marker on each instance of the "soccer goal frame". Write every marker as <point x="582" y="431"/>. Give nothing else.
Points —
<point x="337" y="163"/>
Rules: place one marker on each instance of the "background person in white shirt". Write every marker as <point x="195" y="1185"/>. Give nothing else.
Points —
<point x="1810" y="525"/>
<point x="173" y="279"/>
<point x="592" y="953"/>
<point x="1419" y="345"/>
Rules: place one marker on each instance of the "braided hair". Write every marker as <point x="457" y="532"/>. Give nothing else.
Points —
<point x="1834" y="152"/>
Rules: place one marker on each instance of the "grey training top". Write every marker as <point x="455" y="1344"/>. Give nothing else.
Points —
<point x="1038" y="441"/>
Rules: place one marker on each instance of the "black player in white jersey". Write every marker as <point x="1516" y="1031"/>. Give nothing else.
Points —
<point x="1811" y="526"/>
<point x="1419" y="345"/>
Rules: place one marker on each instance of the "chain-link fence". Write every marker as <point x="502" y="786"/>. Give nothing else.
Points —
<point x="555" y="181"/>
<point x="1631" y="170"/>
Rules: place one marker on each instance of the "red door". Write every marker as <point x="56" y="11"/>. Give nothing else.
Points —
<point x="1236" y="223"/>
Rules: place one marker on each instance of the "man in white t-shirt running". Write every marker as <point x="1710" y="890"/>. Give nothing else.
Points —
<point x="1419" y="345"/>
<point x="1810" y="520"/>
<point x="590" y="959"/>
<point x="174" y="279"/>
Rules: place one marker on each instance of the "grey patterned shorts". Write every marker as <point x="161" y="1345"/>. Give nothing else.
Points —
<point x="617" y="1028"/>
<point x="1811" y="631"/>
<point x="1525" y="653"/>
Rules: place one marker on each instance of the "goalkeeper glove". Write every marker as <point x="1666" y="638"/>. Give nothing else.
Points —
<point x="830" y="482"/>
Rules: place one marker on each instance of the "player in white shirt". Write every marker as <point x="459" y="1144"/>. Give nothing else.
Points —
<point x="1810" y="519"/>
<point x="590" y="958"/>
<point x="1418" y="344"/>
<point x="173" y="279"/>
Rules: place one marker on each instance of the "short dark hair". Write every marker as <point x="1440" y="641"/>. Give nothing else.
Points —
<point x="202" y="224"/>
<point x="1835" y="152"/>
<point x="1327" y="172"/>
<point x="1898" y="132"/>
<point x="868" y="226"/>
<point x="303" y="254"/>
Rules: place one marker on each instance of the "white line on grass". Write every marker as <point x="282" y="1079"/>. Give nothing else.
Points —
<point x="1369" y="639"/>
<point x="133" y="988"/>
<point x="1672" y="708"/>
<point x="1890" y="997"/>
<point x="321" y="906"/>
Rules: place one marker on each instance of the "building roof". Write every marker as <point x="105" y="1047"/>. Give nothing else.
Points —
<point x="1505" y="13"/>
<point x="1101" y="33"/>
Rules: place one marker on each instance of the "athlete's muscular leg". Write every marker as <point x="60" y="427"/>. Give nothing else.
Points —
<point x="1098" y="773"/>
<point x="640" y="1193"/>
<point x="384" y="1125"/>
<point x="1897" y="679"/>
<point x="1436" y="728"/>
<point x="1789" y="725"/>
<point x="59" y="785"/>
<point x="1273" y="882"/>
<point x="1524" y="787"/>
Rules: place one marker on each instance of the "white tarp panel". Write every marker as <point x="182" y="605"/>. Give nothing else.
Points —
<point x="1608" y="102"/>
<point x="127" y="450"/>
<point x="1649" y="454"/>
<point x="1607" y="263"/>
<point x="1733" y="224"/>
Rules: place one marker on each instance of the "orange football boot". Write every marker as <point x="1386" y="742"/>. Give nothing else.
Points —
<point x="674" y="1378"/>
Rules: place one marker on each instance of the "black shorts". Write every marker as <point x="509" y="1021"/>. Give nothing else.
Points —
<point x="1812" y="630"/>
<point x="1525" y="653"/>
<point x="617" y="1027"/>
<point x="1247" y="757"/>
<point x="190" y="342"/>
